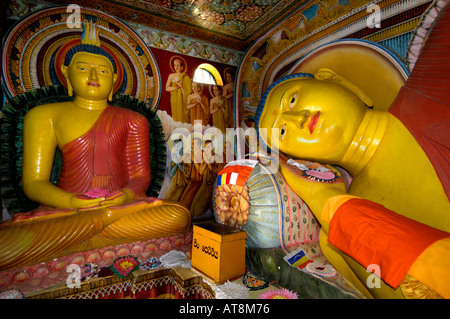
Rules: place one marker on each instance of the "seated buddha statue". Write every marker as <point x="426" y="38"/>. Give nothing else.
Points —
<point x="100" y="198"/>
<point x="395" y="213"/>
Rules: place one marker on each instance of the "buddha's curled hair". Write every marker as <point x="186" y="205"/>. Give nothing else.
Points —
<point x="89" y="48"/>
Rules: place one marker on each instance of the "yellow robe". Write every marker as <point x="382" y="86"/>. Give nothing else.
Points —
<point x="178" y="100"/>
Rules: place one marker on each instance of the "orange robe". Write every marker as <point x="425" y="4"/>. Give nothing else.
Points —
<point x="372" y="234"/>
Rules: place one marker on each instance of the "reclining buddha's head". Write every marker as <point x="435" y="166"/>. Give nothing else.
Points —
<point x="316" y="115"/>
<point x="90" y="71"/>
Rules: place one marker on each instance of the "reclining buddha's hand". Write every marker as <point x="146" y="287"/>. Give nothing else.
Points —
<point x="313" y="182"/>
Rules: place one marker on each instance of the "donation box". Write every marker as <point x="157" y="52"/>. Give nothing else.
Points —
<point x="218" y="251"/>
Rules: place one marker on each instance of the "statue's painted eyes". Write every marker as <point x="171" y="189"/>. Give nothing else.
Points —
<point x="294" y="97"/>
<point x="283" y="132"/>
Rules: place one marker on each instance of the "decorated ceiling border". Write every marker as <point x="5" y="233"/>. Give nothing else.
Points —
<point x="321" y="22"/>
<point x="152" y="37"/>
<point x="187" y="46"/>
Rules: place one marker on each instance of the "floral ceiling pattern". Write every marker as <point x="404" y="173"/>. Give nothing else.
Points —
<point x="234" y="17"/>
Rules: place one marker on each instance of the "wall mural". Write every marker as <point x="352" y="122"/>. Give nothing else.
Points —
<point x="191" y="177"/>
<point x="177" y="73"/>
<point x="187" y="46"/>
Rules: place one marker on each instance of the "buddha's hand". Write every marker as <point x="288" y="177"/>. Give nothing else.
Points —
<point x="118" y="198"/>
<point x="80" y="201"/>
<point x="313" y="182"/>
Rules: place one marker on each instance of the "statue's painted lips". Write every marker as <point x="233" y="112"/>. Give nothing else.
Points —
<point x="94" y="84"/>
<point x="312" y="124"/>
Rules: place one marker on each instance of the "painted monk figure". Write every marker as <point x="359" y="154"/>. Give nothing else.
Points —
<point x="394" y="215"/>
<point x="100" y="198"/>
<point x="218" y="109"/>
<point x="178" y="84"/>
<point x="198" y="105"/>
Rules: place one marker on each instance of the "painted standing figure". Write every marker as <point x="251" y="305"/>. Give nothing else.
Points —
<point x="178" y="84"/>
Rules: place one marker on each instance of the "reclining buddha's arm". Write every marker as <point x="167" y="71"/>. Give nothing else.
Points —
<point x="39" y="145"/>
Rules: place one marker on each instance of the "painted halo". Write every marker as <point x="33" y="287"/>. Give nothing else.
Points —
<point x="35" y="47"/>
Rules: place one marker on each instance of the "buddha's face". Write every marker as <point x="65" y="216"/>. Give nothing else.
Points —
<point x="91" y="76"/>
<point x="316" y="119"/>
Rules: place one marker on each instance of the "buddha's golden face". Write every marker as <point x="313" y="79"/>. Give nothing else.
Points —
<point x="316" y="119"/>
<point x="91" y="76"/>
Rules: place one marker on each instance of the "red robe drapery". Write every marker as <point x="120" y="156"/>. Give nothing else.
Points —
<point x="114" y="154"/>
<point x="423" y="103"/>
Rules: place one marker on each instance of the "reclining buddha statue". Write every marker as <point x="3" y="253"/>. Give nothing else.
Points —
<point x="394" y="217"/>
<point x="100" y="198"/>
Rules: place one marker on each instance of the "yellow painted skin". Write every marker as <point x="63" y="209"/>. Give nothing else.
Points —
<point x="78" y="224"/>
<point x="385" y="161"/>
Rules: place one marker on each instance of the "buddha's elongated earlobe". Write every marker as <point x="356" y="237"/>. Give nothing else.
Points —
<point x="65" y="72"/>
<point x="69" y="88"/>
<point x="110" y="96"/>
